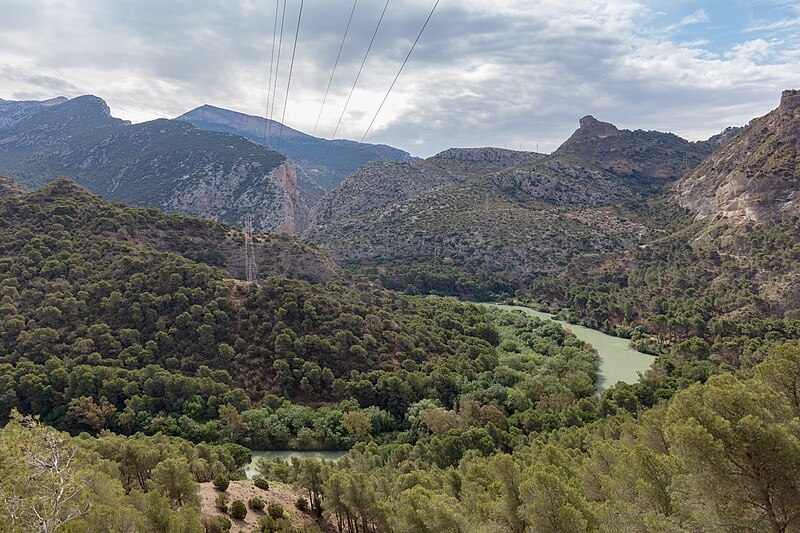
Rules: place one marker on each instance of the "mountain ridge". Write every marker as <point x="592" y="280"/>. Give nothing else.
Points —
<point x="325" y="161"/>
<point x="162" y="163"/>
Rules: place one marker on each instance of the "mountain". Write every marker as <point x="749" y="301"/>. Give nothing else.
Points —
<point x="753" y="176"/>
<point x="12" y="111"/>
<point x="647" y="156"/>
<point x="381" y="184"/>
<point x="163" y="163"/>
<point x="511" y="214"/>
<point x="735" y="261"/>
<point x="324" y="161"/>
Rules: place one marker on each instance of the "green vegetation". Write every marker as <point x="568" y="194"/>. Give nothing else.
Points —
<point x="51" y="481"/>
<point x="238" y="510"/>
<point x="725" y="452"/>
<point x="717" y="295"/>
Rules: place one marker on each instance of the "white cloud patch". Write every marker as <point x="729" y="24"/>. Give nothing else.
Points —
<point x="508" y="73"/>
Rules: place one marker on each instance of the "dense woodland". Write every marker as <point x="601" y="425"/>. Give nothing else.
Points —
<point x="134" y="366"/>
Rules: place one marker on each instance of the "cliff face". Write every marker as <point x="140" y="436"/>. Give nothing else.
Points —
<point x="162" y="163"/>
<point x="646" y="155"/>
<point x="753" y="176"/>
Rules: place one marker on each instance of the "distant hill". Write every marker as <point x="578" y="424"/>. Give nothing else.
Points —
<point x="326" y="162"/>
<point x="12" y="111"/>
<point x="754" y="175"/>
<point x="512" y="214"/>
<point x="163" y="163"/>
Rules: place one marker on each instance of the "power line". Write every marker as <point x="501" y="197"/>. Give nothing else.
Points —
<point x="277" y="68"/>
<point x="291" y="68"/>
<point x="333" y="136"/>
<point x="399" y="71"/>
<point x="335" y="64"/>
<point x="271" y="64"/>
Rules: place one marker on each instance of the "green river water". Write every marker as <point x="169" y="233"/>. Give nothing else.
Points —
<point x="618" y="361"/>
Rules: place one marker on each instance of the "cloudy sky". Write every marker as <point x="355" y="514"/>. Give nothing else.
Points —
<point x="513" y="73"/>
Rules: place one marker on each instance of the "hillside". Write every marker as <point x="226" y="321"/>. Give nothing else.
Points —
<point x="730" y="275"/>
<point x="502" y="213"/>
<point x="754" y="176"/>
<point x="98" y="283"/>
<point x="379" y="185"/>
<point x="163" y="163"/>
<point x="9" y="187"/>
<point x="326" y="162"/>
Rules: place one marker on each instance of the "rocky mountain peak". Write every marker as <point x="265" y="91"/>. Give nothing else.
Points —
<point x="593" y="127"/>
<point x="790" y="101"/>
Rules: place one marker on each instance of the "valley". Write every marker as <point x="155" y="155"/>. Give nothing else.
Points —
<point x="664" y="357"/>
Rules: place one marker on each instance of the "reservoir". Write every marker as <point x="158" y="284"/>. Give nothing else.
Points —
<point x="618" y="361"/>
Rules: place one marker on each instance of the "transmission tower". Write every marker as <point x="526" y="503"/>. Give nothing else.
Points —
<point x="250" y="269"/>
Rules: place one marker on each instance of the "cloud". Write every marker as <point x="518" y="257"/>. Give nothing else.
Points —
<point x="508" y="73"/>
<point x="697" y="17"/>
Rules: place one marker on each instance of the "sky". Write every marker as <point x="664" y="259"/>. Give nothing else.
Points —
<point x="508" y="73"/>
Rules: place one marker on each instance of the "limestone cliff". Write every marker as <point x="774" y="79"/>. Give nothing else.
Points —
<point x="755" y="175"/>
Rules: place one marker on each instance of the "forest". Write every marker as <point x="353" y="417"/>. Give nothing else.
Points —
<point x="135" y="367"/>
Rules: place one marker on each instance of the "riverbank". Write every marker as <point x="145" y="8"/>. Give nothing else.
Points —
<point x="618" y="361"/>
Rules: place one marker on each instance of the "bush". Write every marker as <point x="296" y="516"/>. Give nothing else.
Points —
<point x="221" y="482"/>
<point x="238" y="510"/>
<point x="261" y="483"/>
<point x="256" y="503"/>
<point x="222" y="502"/>
<point x="301" y="503"/>
<point x="275" y="510"/>
<point x="216" y="524"/>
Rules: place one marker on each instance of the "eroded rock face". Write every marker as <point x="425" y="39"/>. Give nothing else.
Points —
<point x="647" y="155"/>
<point x="754" y="176"/>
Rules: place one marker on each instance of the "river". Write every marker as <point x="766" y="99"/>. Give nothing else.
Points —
<point x="618" y="361"/>
<point x="287" y="455"/>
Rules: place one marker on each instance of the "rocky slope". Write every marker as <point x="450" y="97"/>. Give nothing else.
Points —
<point x="162" y="163"/>
<point x="514" y="214"/>
<point x="382" y="184"/>
<point x="12" y="111"/>
<point x="474" y="227"/>
<point x="648" y="156"/>
<point x="753" y="176"/>
<point x="325" y="162"/>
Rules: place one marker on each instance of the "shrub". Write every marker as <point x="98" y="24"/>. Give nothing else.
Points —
<point x="275" y="509"/>
<point x="261" y="483"/>
<point x="221" y="482"/>
<point x="256" y="503"/>
<point x="216" y="524"/>
<point x="222" y="502"/>
<point x="301" y="503"/>
<point x="238" y="510"/>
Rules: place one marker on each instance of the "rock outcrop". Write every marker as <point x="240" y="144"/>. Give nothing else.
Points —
<point x="753" y="176"/>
